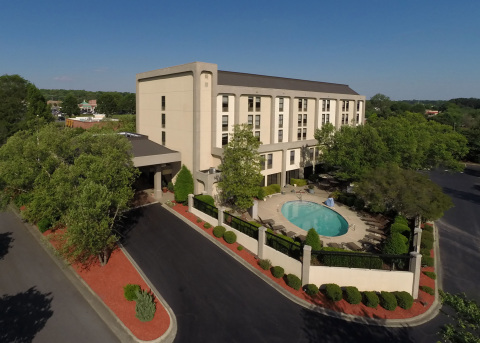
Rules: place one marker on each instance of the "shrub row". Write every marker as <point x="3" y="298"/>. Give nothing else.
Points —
<point x="272" y="189"/>
<point x="206" y="199"/>
<point x="427" y="227"/>
<point x="431" y="275"/>
<point x="427" y="261"/>
<point x="367" y="262"/>
<point x="428" y="290"/>
<point x="145" y="304"/>
<point x="265" y="264"/>
<point x="294" y="281"/>
<point x="401" y="220"/>
<point x="298" y="182"/>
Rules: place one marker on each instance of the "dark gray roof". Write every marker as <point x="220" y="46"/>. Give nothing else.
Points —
<point x="262" y="81"/>
<point x="142" y="146"/>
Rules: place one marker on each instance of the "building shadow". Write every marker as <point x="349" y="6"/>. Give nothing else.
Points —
<point x="5" y="243"/>
<point x="23" y="315"/>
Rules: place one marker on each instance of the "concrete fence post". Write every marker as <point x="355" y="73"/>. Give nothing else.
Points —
<point x="417" y="238"/>
<point x="261" y="241"/>
<point x="307" y="256"/>
<point x="415" y="268"/>
<point x="190" y="203"/>
<point x="220" y="216"/>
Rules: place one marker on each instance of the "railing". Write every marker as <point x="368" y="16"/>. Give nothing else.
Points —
<point x="212" y="211"/>
<point x="360" y="260"/>
<point x="241" y="225"/>
<point x="289" y="248"/>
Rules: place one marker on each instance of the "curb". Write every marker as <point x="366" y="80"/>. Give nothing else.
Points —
<point x="414" y="321"/>
<point x="105" y="313"/>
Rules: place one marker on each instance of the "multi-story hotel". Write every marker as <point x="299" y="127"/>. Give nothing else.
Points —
<point x="192" y="108"/>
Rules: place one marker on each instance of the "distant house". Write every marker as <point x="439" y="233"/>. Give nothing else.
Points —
<point x="88" y="107"/>
<point x="87" y="122"/>
<point x="431" y="112"/>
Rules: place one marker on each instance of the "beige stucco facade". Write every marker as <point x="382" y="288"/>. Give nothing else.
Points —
<point x="192" y="108"/>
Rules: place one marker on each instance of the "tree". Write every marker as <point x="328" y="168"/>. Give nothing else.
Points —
<point x="381" y="104"/>
<point x="70" y="105"/>
<point x="241" y="177"/>
<point x="313" y="239"/>
<point x="13" y="105"/>
<point x="406" y="192"/>
<point x="183" y="184"/>
<point x="107" y="104"/>
<point x="127" y="104"/>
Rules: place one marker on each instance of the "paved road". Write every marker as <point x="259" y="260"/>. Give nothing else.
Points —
<point x="37" y="302"/>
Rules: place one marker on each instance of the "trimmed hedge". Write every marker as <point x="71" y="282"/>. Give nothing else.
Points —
<point x="218" y="231"/>
<point x="272" y="189"/>
<point x="425" y="252"/>
<point x="183" y="185"/>
<point x="370" y="262"/>
<point x="207" y="225"/>
<point x="352" y="295"/>
<point x="427" y="236"/>
<point x="130" y="291"/>
<point x="401" y="229"/>
<point x="311" y="289"/>
<point x="313" y="239"/>
<point x="404" y="299"/>
<point x="294" y="281"/>
<point x="206" y="199"/>
<point x="431" y="275"/>
<point x="278" y="272"/>
<point x="427" y="261"/>
<point x="44" y="224"/>
<point x="427" y="227"/>
<point x="230" y="237"/>
<point x="401" y="220"/>
<point x="396" y="244"/>
<point x="370" y="299"/>
<point x="265" y="264"/>
<point x="426" y="244"/>
<point x="333" y="292"/>
<point x="388" y="301"/>
<point x="428" y="290"/>
<point x="298" y="182"/>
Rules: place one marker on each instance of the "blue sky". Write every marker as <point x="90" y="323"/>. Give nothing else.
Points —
<point x="419" y="49"/>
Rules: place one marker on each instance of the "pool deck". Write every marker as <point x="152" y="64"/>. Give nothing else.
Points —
<point x="271" y="208"/>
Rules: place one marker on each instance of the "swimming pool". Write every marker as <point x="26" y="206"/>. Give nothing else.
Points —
<point x="306" y="214"/>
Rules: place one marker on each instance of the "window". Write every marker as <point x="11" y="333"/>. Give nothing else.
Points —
<point x="225" y="103"/>
<point x="163" y="120"/>
<point x="328" y="118"/>
<point x="343" y="118"/>
<point x="262" y="162"/>
<point x="292" y="156"/>
<point x="163" y="137"/>
<point x="224" y="139"/>
<point x="328" y="105"/>
<point x="325" y="105"/>
<point x="257" y="121"/>
<point x="311" y="154"/>
<point x="304" y="134"/>
<point x="346" y="118"/>
<point x="323" y="118"/>
<point x="358" y="105"/>
<point x="273" y="179"/>
<point x="358" y="118"/>
<point x="299" y="134"/>
<point x="280" y="120"/>
<point x="250" y="104"/>
<point x="224" y="123"/>
<point x="163" y="102"/>
<point x="299" y="120"/>
<point x="280" y="104"/>
<point x="304" y="120"/>
<point x="269" y="161"/>
<point x="347" y="105"/>
<point x="300" y="104"/>
<point x="257" y="104"/>
<point x="250" y="120"/>
<point x="304" y="104"/>
<point x="257" y="134"/>
<point x="280" y="136"/>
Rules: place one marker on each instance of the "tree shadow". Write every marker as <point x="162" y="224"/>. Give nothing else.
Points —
<point x="467" y="196"/>
<point x="23" y="315"/>
<point x="125" y="225"/>
<point x="5" y="243"/>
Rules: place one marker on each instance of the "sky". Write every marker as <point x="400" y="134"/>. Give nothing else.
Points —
<point x="405" y="49"/>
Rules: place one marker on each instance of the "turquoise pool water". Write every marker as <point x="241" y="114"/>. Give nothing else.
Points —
<point x="306" y="214"/>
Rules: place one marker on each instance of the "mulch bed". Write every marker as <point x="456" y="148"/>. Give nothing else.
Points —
<point x="420" y="305"/>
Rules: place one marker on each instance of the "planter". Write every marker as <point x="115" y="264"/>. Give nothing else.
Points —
<point x="165" y="189"/>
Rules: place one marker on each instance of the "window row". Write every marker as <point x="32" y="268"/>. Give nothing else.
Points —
<point x="302" y="134"/>
<point x="254" y="101"/>
<point x="257" y="121"/>
<point x="268" y="160"/>
<point x="302" y="122"/>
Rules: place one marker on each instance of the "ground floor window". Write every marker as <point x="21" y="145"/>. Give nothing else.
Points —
<point x="273" y="179"/>
<point x="292" y="174"/>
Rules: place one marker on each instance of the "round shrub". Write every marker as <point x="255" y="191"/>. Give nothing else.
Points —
<point x="206" y="199"/>
<point x="230" y="237"/>
<point x="313" y="239"/>
<point x="359" y="204"/>
<point x="431" y="275"/>
<point x="170" y="186"/>
<point x="370" y="299"/>
<point x="396" y="244"/>
<point x="425" y="252"/>
<point x="400" y="228"/>
<point x="427" y="236"/>
<point x="426" y="244"/>
<point x="265" y="264"/>
<point x="352" y="295"/>
<point x="207" y="225"/>
<point x="428" y="290"/>
<point x="240" y="248"/>
<point x="401" y="220"/>
<point x="311" y="289"/>
<point x="261" y="193"/>
<point x="427" y="228"/>
<point x="388" y="301"/>
<point x="130" y="290"/>
<point x="333" y="292"/>
<point x="427" y="261"/>
<point x="404" y="299"/>
<point x="199" y="220"/>
<point x="44" y="224"/>
<point x="218" y="231"/>
<point x="278" y="272"/>
<point x="294" y="281"/>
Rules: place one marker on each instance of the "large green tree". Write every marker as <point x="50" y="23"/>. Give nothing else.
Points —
<point x="107" y="104"/>
<point x="70" y="105"/>
<point x="241" y="176"/>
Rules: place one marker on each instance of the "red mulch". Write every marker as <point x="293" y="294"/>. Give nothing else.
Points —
<point x="108" y="282"/>
<point x="420" y="305"/>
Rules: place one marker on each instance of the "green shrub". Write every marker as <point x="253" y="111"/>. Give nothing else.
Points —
<point x="230" y="237"/>
<point x="431" y="275"/>
<point x="145" y="307"/>
<point x="218" y="231"/>
<point x="311" y="289"/>
<point x="400" y="228"/>
<point x="426" y="235"/>
<point x="207" y="225"/>
<point x="425" y="252"/>
<point x="262" y="193"/>
<point x="240" y="248"/>
<point x="278" y="272"/>
<point x="170" y="186"/>
<point x="427" y="261"/>
<point x="199" y="220"/>
<point x="349" y="201"/>
<point x="183" y="185"/>
<point x="265" y="264"/>
<point x="427" y="228"/>
<point x="206" y="199"/>
<point x="370" y="299"/>
<point x="294" y="281"/>
<point x="428" y="290"/>
<point x="130" y="291"/>
<point x="352" y="295"/>
<point x="401" y="220"/>
<point x="388" y="301"/>
<point x="44" y="224"/>
<point x="359" y="204"/>
<point x="298" y="182"/>
<point x="404" y="299"/>
<point x="370" y="262"/>
<point x="313" y="239"/>
<point x="426" y="244"/>
<point x="396" y="244"/>
<point x="333" y="292"/>
<point x="274" y="188"/>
